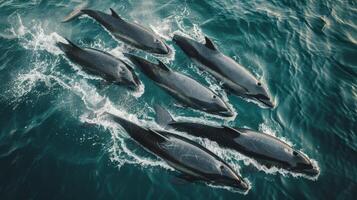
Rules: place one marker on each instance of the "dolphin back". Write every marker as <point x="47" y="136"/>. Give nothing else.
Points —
<point x="144" y="136"/>
<point x="66" y="48"/>
<point x="99" y="16"/>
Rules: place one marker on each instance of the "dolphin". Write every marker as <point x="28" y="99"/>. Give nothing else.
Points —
<point x="235" y="78"/>
<point x="128" y="32"/>
<point x="182" y="87"/>
<point x="195" y="162"/>
<point x="264" y="148"/>
<point x="100" y="63"/>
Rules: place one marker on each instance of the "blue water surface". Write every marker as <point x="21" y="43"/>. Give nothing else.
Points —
<point x="55" y="144"/>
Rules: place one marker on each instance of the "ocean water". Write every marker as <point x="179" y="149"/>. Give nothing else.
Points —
<point x="54" y="144"/>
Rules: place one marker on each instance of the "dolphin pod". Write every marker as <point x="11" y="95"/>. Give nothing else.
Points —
<point x="195" y="162"/>
<point x="182" y="87"/>
<point x="130" y="33"/>
<point x="100" y="63"/>
<point x="266" y="149"/>
<point x="235" y="78"/>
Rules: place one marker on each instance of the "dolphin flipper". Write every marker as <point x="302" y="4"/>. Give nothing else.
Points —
<point x="67" y="47"/>
<point x="163" y="117"/>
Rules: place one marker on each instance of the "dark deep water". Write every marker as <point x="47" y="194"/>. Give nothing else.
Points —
<point x="53" y="147"/>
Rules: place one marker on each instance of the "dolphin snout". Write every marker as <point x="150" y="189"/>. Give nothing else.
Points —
<point x="311" y="172"/>
<point x="264" y="99"/>
<point x="226" y="113"/>
<point x="243" y="185"/>
<point x="163" y="49"/>
<point x="133" y="85"/>
<point x="268" y="103"/>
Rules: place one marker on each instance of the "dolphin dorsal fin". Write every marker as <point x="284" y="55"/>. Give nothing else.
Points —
<point x="163" y="66"/>
<point x="231" y="130"/>
<point x="72" y="44"/>
<point x="157" y="135"/>
<point x="209" y="44"/>
<point x="114" y="14"/>
<point x="163" y="117"/>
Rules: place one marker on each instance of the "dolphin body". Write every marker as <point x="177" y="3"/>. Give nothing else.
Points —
<point x="130" y="33"/>
<point x="100" y="63"/>
<point x="195" y="162"/>
<point x="266" y="149"/>
<point x="182" y="87"/>
<point x="236" y="79"/>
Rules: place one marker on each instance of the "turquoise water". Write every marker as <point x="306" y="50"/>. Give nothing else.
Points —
<point x="55" y="145"/>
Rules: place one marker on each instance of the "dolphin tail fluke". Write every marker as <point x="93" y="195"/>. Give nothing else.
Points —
<point x="75" y="13"/>
<point x="67" y="47"/>
<point x="64" y="47"/>
<point x="163" y="117"/>
<point x="120" y="120"/>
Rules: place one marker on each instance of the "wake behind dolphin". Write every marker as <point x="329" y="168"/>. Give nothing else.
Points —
<point x="236" y="78"/>
<point x="195" y="162"/>
<point x="266" y="149"/>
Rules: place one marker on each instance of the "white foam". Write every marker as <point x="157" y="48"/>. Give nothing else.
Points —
<point x="120" y="153"/>
<point x="44" y="71"/>
<point x="231" y="189"/>
<point x="35" y="38"/>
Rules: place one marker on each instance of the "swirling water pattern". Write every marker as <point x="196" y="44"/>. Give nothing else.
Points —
<point x="54" y="144"/>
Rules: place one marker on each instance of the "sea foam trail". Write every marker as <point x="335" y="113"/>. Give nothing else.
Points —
<point x="36" y="40"/>
<point x="229" y="155"/>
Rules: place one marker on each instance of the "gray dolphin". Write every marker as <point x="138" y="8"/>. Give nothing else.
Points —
<point x="266" y="149"/>
<point x="182" y="87"/>
<point x="100" y="63"/>
<point x="128" y="32"/>
<point x="235" y="77"/>
<point x="195" y="162"/>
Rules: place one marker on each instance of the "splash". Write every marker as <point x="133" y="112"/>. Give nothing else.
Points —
<point x="44" y="69"/>
<point x="35" y="39"/>
<point x="120" y="152"/>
